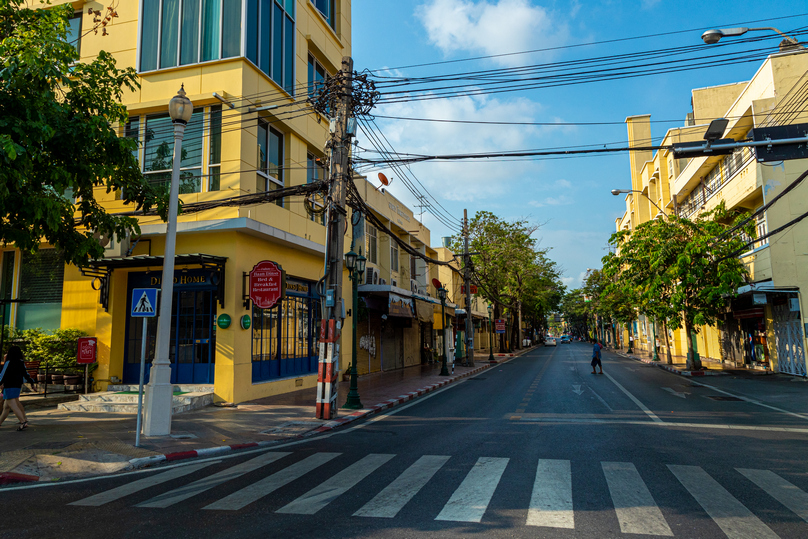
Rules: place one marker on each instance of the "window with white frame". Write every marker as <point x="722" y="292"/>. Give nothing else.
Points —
<point x="373" y="243"/>
<point x="184" y="32"/>
<point x="158" y="153"/>
<point x="215" y="154"/>
<point x="270" y="159"/>
<point x="317" y="75"/>
<point x="74" y="31"/>
<point x="393" y="255"/>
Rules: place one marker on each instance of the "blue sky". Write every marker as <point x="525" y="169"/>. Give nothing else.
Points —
<point x="570" y="197"/>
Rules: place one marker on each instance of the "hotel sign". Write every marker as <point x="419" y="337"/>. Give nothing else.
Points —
<point x="267" y="284"/>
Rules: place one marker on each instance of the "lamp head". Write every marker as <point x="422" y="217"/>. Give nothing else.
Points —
<point x="716" y="129"/>
<point x="360" y="264"/>
<point x="713" y="36"/>
<point x="442" y="293"/>
<point x="180" y="107"/>
<point x="490" y="309"/>
<point x="350" y="261"/>
<point x="616" y="192"/>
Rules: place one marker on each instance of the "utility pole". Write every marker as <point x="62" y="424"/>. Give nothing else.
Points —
<point x="467" y="279"/>
<point x="331" y="325"/>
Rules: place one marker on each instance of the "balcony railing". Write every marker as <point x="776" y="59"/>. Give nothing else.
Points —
<point x="719" y="176"/>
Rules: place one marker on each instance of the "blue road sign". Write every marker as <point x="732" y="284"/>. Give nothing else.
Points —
<point x="144" y="302"/>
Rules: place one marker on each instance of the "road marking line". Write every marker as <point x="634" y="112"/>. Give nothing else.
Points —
<point x="641" y="406"/>
<point x="269" y="484"/>
<point x="781" y="490"/>
<point x="752" y="401"/>
<point x="665" y="424"/>
<point x="332" y="488"/>
<point x="197" y="487"/>
<point x="469" y="502"/>
<point x="734" y="519"/>
<point x="141" y="484"/>
<point x="391" y="500"/>
<point x="551" y="501"/>
<point x="636" y="509"/>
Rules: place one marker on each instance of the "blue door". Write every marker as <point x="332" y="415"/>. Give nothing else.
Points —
<point x="193" y="340"/>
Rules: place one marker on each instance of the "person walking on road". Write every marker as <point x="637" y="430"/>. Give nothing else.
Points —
<point x="596" y="358"/>
<point x="11" y="379"/>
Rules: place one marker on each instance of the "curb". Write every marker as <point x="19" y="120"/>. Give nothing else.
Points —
<point x="331" y="425"/>
<point x="671" y="369"/>
<point x="10" y="478"/>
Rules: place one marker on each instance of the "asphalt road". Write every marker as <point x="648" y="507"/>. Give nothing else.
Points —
<point x="536" y="447"/>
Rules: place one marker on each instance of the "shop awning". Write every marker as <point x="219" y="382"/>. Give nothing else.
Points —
<point x="423" y="309"/>
<point x="755" y="312"/>
<point x="102" y="269"/>
<point x="399" y="306"/>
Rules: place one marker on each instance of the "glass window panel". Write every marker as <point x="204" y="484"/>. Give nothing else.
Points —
<point x="265" y="49"/>
<point x="215" y="134"/>
<point x="132" y="131"/>
<point x="214" y="178"/>
<point x="231" y="28"/>
<point x="192" y="140"/>
<point x="149" y="35"/>
<point x="211" y="29"/>
<point x="159" y="143"/>
<point x="74" y="31"/>
<point x="190" y="181"/>
<point x="169" y="31"/>
<point x="310" y="74"/>
<point x="289" y="56"/>
<point x="252" y="31"/>
<point x="277" y="38"/>
<point x="262" y="146"/>
<point x="275" y="155"/>
<point x="189" y="46"/>
<point x="290" y="7"/>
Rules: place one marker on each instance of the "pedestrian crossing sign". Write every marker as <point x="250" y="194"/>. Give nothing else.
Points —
<point x="144" y="302"/>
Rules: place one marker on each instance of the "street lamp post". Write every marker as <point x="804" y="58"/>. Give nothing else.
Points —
<point x="490" y="334"/>
<point x="356" y="268"/>
<point x="507" y="332"/>
<point x="444" y="370"/>
<point x="159" y="390"/>
<point x="656" y="356"/>
<point x="616" y="192"/>
<point x="711" y="37"/>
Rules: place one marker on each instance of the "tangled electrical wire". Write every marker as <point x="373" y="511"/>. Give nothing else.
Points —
<point x="364" y="96"/>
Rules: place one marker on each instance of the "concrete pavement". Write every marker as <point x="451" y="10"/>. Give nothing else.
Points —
<point x="60" y="445"/>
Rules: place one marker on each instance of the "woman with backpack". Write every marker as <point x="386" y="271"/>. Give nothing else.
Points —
<point x="11" y="379"/>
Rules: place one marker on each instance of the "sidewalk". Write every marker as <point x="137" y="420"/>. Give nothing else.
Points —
<point x="60" y="445"/>
<point x="679" y="365"/>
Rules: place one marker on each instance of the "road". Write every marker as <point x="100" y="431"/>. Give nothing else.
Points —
<point x="535" y="447"/>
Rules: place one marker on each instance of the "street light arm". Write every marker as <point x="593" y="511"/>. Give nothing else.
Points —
<point x="616" y="192"/>
<point x="789" y="38"/>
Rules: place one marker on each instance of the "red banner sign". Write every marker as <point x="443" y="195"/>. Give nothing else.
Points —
<point x="266" y="284"/>
<point x="499" y="325"/>
<point x="87" y="350"/>
<point x="463" y="289"/>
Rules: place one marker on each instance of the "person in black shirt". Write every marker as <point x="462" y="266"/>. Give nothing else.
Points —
<point x="11" y="379"/>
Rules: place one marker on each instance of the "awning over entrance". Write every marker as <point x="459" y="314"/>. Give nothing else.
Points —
<point x="102" y="270"/>
<point x="423" y="310"/>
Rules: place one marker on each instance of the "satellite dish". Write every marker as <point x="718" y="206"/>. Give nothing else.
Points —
<point x="436" y="283"/>
<point x="383" y="179"/>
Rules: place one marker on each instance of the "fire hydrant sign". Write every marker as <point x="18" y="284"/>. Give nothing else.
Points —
<point x="266" y="284"/>
<point x="86" y="352"/>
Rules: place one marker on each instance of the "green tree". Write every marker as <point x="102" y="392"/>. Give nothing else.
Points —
<point x="512" y="272"/>
<point x="679" y="270"/>
<point x="58" y="141"/>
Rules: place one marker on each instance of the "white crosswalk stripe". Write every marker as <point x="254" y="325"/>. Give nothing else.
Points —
<point x="395" y="496"/>
<point x="332" y="488"/>
<point x="141" y="484"/>
<point x="780" y="489"/>
<point x="471" y="499"/>
<point x="551" y="502"/>
<point x="270" y="484"/>
<point x="734" y="519"/>
<point x="187" y="491"/>
<point x="637" y="512"/>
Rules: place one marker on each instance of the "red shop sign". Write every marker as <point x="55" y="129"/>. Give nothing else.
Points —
<point x="87" y="350"/>
<point x="267" y="284"/>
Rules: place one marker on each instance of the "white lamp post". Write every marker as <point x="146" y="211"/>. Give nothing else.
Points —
<point x="159" y="390"/>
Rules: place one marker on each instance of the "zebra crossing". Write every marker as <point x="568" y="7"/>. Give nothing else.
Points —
<point x="549" y="505"/>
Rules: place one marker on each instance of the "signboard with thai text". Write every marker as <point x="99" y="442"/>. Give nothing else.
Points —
<point x="499" y="325"/>
<point x="86" y="350"/>
<point x="267" y="284"/>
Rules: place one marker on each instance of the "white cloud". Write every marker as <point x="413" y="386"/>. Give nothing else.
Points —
<point x="561" y="200"/>
<point x="563" y="184"/>
<point x="487" y="28"/>
<point x="463" y="180"/>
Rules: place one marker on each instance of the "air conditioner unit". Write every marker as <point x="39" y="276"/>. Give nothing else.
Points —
<point x="116" y="247"/>
<point x="371" y="275"/>
<point x="383" y="281"/>
<point x="413" y="286"/>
